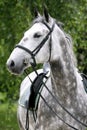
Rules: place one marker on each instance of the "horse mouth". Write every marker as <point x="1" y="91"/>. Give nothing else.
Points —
<point x="16" y="68"/>
<point x="15" y="71"/>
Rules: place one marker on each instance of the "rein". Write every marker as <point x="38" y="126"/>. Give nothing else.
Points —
<point x="33" y="54"/>
<point x="58" y="102"/>
<point x="44" y="85"/>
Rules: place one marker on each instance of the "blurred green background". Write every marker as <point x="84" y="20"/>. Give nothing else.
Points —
<point x="15" y="19"/>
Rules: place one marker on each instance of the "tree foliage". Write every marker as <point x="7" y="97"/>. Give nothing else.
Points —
<point x="15" y="18"/>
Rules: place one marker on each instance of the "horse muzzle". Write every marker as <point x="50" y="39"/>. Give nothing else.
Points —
<point x="16" y="67"/>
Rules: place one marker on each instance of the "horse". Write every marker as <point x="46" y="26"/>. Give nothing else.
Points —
<point x="64" y="107"/>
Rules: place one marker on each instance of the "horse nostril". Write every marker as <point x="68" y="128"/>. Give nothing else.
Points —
<point x="12" y="64"/>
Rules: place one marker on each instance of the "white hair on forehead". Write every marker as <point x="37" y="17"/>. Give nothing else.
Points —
<point x="38" y="19"/>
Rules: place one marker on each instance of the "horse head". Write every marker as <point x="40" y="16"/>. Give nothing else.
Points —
<point x="35" y="46"/>
<point x="26" y="51"/>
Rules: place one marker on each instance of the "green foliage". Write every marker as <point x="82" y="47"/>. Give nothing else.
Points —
<point x="8" y="118"/>
<point x="15" y="18"/>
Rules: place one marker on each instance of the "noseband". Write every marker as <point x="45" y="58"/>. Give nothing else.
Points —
<point x="37" y="49"/>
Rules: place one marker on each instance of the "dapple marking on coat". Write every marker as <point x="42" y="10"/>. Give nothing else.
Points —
<point x="65" y="81"/>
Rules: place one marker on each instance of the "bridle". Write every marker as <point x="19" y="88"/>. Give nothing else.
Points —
<point x="37" y="49"/>
<point x="33" y="54"/>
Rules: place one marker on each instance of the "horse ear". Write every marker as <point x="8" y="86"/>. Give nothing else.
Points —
<point x="36" y="13"/>
<point x="46" y="14"/>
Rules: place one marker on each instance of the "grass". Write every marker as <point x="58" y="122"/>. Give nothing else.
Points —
<point x="8" y="117"/>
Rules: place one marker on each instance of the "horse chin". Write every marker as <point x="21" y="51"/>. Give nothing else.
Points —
<point x="16" y="72"/>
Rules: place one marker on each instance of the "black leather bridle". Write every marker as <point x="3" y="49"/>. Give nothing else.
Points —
<point x="33" y="54"/>
<point x="37" y="49"/>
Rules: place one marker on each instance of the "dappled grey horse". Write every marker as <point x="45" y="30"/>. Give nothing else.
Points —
<point x="63" y="100"/>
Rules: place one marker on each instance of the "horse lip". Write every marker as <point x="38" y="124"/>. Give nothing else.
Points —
<point x="15" y="71"/>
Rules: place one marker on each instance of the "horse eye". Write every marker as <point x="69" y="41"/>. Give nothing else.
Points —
<point x="37" y="35"/>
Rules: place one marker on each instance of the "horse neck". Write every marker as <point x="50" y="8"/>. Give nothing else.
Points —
<point x="64" y="83"/>
<point x="63" y="70"/>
